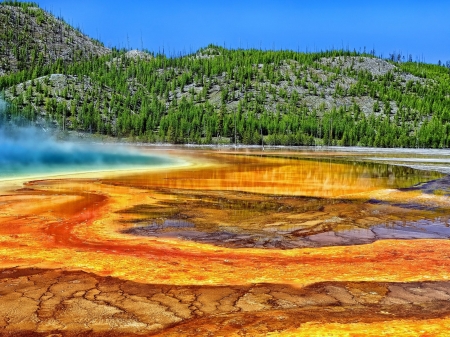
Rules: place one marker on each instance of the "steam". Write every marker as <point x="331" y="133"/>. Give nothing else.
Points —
<point x="29" y="150"/>
<point x="2" y="106"/>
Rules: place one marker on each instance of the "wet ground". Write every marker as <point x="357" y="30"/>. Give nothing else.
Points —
<point x="246" y="220"/>
<point x="237" y="244"/>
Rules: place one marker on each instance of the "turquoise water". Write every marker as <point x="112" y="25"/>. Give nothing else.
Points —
<point x="22" y="161"/>
<point x="72" y="163"/>
<point x="29" y="152"/>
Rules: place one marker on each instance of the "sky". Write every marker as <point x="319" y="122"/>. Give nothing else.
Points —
<point x="417" y="28"/>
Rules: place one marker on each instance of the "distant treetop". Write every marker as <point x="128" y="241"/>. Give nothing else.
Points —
<point x="21" y="4"/>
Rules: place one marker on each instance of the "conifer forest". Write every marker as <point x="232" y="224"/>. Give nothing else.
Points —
<point x="54" y="75"/>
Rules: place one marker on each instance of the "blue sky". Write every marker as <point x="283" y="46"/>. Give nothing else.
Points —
<point x="420" y="28"/>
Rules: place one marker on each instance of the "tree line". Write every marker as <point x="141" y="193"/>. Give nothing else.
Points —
<point x="244" y="96"/>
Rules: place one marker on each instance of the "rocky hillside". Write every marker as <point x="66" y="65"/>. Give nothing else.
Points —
<point x="221" y="95"/>
<point x="30" y="36"/>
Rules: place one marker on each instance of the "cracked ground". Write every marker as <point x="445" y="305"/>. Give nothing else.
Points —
<point x="241" y="247"/>
<point x="45" y="301"/>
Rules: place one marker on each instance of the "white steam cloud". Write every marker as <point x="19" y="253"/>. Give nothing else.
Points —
<point x="30" y="150"/>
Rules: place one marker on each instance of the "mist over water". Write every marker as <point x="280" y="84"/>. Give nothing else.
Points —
<point x="2" y="106"/>
<point x="28" y="151"/>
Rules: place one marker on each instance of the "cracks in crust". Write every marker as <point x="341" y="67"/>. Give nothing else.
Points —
<point x="43" y="301"/>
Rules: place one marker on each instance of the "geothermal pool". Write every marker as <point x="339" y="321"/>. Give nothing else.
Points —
<point x="28" y="152"/>
<point x="230" y="242"/>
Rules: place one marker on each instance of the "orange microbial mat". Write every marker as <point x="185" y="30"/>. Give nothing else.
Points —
<point x="233" y="243"/>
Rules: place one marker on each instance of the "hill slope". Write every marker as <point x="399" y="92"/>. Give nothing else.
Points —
<point x="30" y="37"/>
<point x="244" y="96"/>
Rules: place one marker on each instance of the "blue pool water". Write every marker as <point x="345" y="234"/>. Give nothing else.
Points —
<point x="31" y="151"/>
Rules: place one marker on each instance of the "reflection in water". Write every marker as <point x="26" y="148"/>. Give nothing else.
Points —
<point x="69" y="225"/>
<point x="284" y="176"/>
<point x="299" y="236"/>
<point x="266" y="202"/>
<point x="169" y="224"/>
<point x="257" y="202"/>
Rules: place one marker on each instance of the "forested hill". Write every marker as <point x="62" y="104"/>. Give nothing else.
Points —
<point x="31" y="37"/>
<point x="218" y="95"/>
